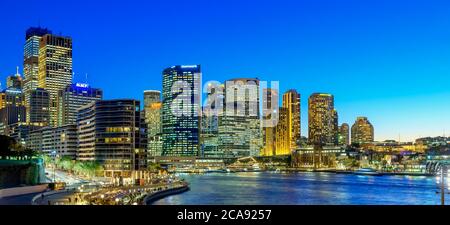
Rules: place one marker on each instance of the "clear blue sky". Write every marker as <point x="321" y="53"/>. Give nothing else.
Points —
<point x="384" y="59"/>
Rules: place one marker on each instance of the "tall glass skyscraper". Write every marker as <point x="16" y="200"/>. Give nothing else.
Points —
<point x="152" y="112"/>
<point x="55" y="68"/>
<point x="31" y="62"/>
<point x="291" y="102"/>
<point x="72" y="98"/>
<point x="181" y="110"/>
<point x="239" y="126"/>
<point x="321" y="123"/>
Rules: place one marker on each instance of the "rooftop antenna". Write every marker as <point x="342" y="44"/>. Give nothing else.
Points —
<point x="73" y="75"/>
<point x="86" y="81"/>
<point x="17" y="71"/>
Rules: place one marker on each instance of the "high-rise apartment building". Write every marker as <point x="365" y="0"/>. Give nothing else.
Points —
<point x="181" y="110"/>
<point x="321" y="119"/>
<point x="291" y="102"/>
<point x="55" y="69"/>
<point x="344" y="134"/>
<point x="362" y="131"/>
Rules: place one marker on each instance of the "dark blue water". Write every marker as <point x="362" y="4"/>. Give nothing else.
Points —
<point x="305" y="189"/>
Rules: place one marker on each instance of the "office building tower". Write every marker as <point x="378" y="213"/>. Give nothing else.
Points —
<point x="63" y="140"/>
<point x="12" y="109"/>
<point x="181" y="112"/>
<point x="344" y="134"/>
<point x="112" y="133"/>
<point x="362" y="131"/>
<point x="72" y="98"/>
<point x="38" y="113"/>
<point x="270" y="119"/>
<point x="291" y="102"/>
<point x="14" y="81"/>
<point x="283" y="140"/>
<point x="31" y="62"/>
<point x="321" y="117"/>
<point x="152" y="114"/>
<point x="55" y="69"/>
<point x="335" y="127"/>
<point x="209" y="137"/>
<point x="239" y="127"/>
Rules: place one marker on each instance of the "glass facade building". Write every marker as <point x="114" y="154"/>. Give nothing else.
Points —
<point x="55" y="69"/>
<point x="72" y="98"/>
<point x="181" y="112"/>
<point x="112" y="133"/>
<point x="321" y="119"/>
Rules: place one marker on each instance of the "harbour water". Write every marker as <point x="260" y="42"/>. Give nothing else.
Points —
<point x="308" y="188"/>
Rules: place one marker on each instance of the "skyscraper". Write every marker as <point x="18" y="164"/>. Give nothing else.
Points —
<point x="55" y="68"/>
<point x="270" y="109"/>
<point x="321" y="124"/>
<point x="291" y="102"/>
<point x="335" y="127"/>
<point x="152" y="112"/>
<point x="239" y="126"/>
<point x="12" y="109"/>
<point x="14" y="81"/>
<point x="38" y="113"/>
<point x="344" y="134"/>
<point x="362" y="131"/>
<point x="31" y="62"/>
<point x="72" y="98"/>
<point x="209" y="136"/>
<point x="181" y="112"/>
<point x="111" y="133"/>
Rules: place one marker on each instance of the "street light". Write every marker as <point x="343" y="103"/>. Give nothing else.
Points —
<point x="54" y="165"/>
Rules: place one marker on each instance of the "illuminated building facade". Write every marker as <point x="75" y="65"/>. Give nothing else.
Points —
<point x="63" y="140"/>
<point x="335" y="127"/>
<point x="12" y="109"/>
<point x="181" y="112"/>
<point x="321" y="124"/>
<point x="291" y="102"/>
<point x="152" y="112"/>
<point x="362" y="131"/>
<point x="31" y="62"/>
<point x="209" y="137"/>
<point x="239" y="127"/>
<point x="344" y="134"/>
<point x="55" y="69"/>
<point x="72" y="98"/>
<point x="112" y="133"/>
<point x="283" y="140"/>
<point x="39" y="107"/>
<point x="270" y="108"/>
<point x="14" y="81"/>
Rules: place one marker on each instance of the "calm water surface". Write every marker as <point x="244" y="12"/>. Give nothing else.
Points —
<point x="304" y="189"/>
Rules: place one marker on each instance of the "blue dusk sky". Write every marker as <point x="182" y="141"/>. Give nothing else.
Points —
<point x="385" y="59"/>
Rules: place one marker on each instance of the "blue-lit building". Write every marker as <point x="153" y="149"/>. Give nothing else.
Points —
<point x="181" y="110"/>
<point x="72" y="98"/>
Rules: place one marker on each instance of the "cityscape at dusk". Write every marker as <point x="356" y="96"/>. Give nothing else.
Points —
<point x="246" y="103"/>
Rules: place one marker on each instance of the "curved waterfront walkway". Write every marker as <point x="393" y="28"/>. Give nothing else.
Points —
<point x="170" y="190"/>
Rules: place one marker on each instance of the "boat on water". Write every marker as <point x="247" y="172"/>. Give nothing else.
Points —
<point x="367" y="171"/>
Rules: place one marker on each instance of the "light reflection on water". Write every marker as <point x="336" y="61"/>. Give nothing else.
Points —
<point x="305" y="189"/>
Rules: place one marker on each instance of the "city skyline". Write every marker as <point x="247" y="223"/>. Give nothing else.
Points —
<point x="377" y="85"/>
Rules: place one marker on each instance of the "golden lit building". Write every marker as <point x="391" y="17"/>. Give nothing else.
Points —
<point x="55" y="68"/>
<point x="362" y="131"/>
<point x="321" y="119"/>
<point x="152" y="109"/>
<point x="283" y="141"/>
<point x="291" y="102"/>
<point x="270" y="108"/>
<point x="344" y="134"/>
